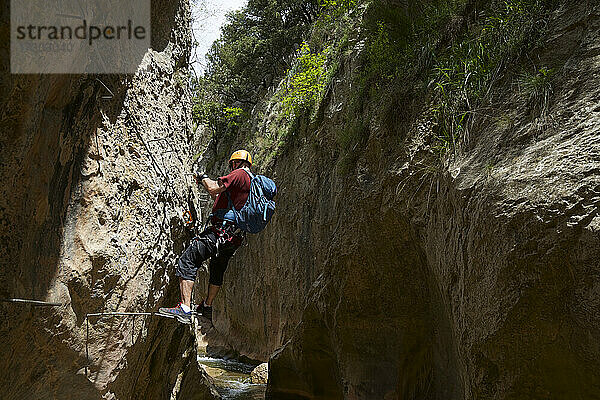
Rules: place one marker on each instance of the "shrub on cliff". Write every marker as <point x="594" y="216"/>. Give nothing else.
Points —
<point x="447" y="53"/>
<point x="305" y="80"/>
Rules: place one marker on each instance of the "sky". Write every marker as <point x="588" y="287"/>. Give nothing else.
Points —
<point x="209" y="16"/>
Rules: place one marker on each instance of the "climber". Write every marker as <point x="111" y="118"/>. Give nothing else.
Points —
<point x="219" y="241"/>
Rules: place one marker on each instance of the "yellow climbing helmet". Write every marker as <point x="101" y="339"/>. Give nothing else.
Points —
<point x="241" y="155"/>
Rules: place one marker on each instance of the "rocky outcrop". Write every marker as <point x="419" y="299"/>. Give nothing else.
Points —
<point x="164" y="366"/>
<point x="260" y="374"/>
<point x="478" y="280"/>
<point x="93" y="172"/>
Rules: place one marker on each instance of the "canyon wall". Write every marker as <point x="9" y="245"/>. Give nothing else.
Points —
<point x="384" y="275"/>
<point x="94" y="184"/>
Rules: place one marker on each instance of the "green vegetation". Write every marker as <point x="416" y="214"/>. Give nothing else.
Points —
<point x="210" y="111"/>
<point x="440" y="58"/>
<point x="457" y="50"/>
<point x="267" y="41"/>
<point x="254" y="46"/>
<point x="464" y="78"/>
<point x="538" y="87"/>
<point x="336" y="9"/>
<point x="305" y="81"/>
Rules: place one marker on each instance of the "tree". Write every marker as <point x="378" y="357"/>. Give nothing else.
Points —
<point x="254" y="46"/>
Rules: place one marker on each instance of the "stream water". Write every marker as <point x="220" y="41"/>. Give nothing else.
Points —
<point x="232" y="379"/>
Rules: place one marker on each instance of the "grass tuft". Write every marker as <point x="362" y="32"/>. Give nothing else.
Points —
<point x="538" y="88"/>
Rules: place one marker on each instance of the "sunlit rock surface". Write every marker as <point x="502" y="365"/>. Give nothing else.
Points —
<point x="390" y="280"/>
<point x="93" y="189"/>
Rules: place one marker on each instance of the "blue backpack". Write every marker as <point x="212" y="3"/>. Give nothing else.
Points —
<point x="258" y="209"/>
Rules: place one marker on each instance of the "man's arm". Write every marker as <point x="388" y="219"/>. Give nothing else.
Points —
<point x="213" y="187"/>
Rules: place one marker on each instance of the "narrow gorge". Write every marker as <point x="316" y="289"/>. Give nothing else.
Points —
<point x="436" y="235"/>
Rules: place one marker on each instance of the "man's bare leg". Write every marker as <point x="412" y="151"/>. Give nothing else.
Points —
<point x="212" y="293"/>
<point x="185" y="287"/>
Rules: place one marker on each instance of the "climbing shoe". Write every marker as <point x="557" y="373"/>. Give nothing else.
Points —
<point x="205" y="311"/>
<point x="176" y="312"/>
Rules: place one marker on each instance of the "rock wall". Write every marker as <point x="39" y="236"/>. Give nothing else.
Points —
<point x="476" y="281"/>
<point x="93" y="190"/>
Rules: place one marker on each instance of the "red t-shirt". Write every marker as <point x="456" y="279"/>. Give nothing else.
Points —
<point x="237" y="183"/>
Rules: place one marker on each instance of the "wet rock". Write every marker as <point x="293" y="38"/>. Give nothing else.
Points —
<point x="214" y="372"/>
<point x="260" y="374"/>
<point x="196" y="383"/>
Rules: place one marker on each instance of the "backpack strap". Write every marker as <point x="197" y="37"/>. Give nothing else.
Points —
<point x="259" y="189"/>
<point x="248" y="172"/>
<point x="229" y="213"/>
<point x="226" y="214"/>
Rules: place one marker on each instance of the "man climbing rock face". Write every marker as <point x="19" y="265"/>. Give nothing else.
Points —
<point x="219" y="241"/>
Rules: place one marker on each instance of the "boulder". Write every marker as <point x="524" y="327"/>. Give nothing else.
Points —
<point x="260" y="374"/>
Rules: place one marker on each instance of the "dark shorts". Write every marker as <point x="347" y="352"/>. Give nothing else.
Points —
<point x="204" y="246"/>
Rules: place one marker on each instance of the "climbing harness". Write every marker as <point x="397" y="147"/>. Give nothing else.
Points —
<point x="226" y="231"/>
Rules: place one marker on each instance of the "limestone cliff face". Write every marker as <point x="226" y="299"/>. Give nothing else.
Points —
<point x="93" y="189"/>
<point x="477" y="281"/>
